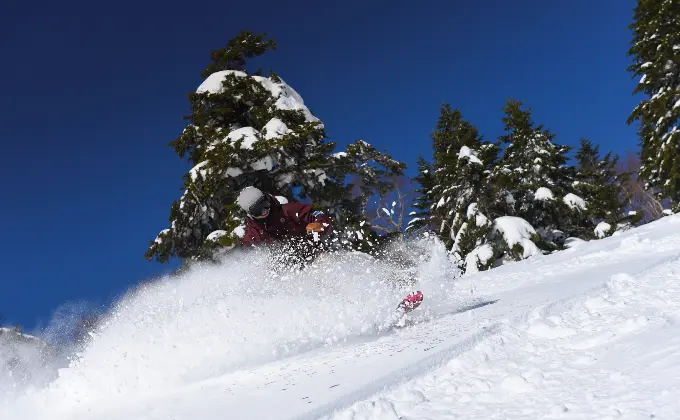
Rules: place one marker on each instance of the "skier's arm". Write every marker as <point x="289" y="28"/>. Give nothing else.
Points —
<point x="313" y="220"/>
<point x="251" y="237"/>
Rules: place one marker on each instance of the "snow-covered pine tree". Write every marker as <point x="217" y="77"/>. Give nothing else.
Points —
<point x="656" y="58"/>
<point x="600" y="184"/>
<point x="246" y="126"/>
<point x="462" y="160"/>
<point x="421" y="217"/>
<point x="458" y="192"/>
<point x="532" y="177"/>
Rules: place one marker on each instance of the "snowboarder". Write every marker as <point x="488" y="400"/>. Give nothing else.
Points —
<point x="269" y="221"/>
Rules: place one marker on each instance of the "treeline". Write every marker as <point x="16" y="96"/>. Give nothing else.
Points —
<point x="488" y="201"/>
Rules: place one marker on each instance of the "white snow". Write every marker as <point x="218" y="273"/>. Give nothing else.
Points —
<point x="248" y="135"/>
<point x="233" y="172"/>
<point x="574" y="201"/>
<point x="267" y="163"/>
<point x="286" y="97"/>
<point x="465" y="152"/>
<point x="543" y="194"/>
<point x="196" y="170"/>
<point x="241" y="230"/>
<point x="281" y="199"/>
<point x="415" y="220"/>
<point x="275" y="128"/>
<point x="159" y="237"/>
<point x="482" y="254"/>
<point x="213" y="83"/>
<point x="573" y="242"/>
<point x="216" y="235"/>
<point x="592" y="332"/>
<point x="480" y="219"/>
<point x="602" y="229"/>
<point x="515" y="230"/>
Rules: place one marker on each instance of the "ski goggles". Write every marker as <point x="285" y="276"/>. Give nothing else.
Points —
<point x="260" y="209"/>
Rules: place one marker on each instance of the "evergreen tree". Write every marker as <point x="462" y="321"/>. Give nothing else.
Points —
<point x="532" y="177"/>
<point x="462" y="160"/>
<point x="244" y="129"/>
<point x="422" y="215"/>
<point x="601" y="185"/>
<point x="656" y="58"/>
<point x="459" y="191"/>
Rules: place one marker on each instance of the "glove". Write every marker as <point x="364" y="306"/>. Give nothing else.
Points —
<point x="315" y="227"/>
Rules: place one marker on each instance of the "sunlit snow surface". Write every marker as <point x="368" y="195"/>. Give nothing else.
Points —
<point x="587" y="333"/>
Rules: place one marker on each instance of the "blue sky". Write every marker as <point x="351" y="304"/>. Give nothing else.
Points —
<point x="93" y="94"/>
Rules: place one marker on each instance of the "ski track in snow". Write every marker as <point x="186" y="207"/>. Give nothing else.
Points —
<point x="587" y="333"/>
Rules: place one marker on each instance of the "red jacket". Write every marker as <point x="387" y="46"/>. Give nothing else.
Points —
<point x="284" y="221"/>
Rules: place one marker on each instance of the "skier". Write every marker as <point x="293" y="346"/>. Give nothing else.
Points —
<point x="269" y="221"/>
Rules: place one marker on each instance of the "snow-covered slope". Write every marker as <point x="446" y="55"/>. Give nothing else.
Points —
<point x="590" y="332"/>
